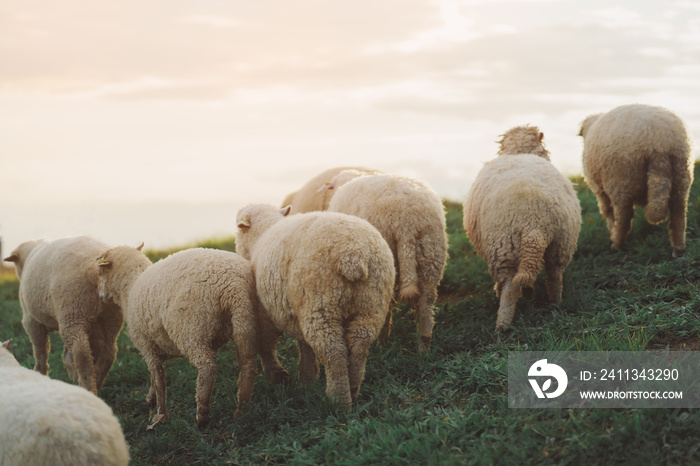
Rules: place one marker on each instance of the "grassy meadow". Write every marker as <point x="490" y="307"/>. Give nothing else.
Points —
<point x="449" y="406"/>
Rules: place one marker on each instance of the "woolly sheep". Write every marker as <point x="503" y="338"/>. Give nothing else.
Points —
<point x="58" y="291"/>
<point x="411" y="218"/>
<point x="189" y="304"/>
<point x="324" y="278"/>
<point x="310" y="197"/>
<point x="520" y="213"/>
<point x="638" y="155"/>
<point x="45" y="421"/>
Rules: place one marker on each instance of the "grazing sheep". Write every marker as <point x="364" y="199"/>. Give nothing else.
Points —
<point x="324" y="278"/>
<point x="58" y="291"/>
<point x="48" y="422"/>
<point x="520" y="213"/>
<point x="310" y="197"/>
<point x="189" y="304"/>
<point x="638" y="155"/>
<point x="411" y="218"/>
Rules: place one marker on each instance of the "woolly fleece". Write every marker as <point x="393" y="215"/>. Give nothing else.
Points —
<point x="411" y="218"/>
<point x="189" y="304"/>
<point x="58" y="291"/>
<point x="520" y="213"/>
<point x="48" y="422"/>
<point x="310" y="197"/>
<point x="638" y="155"/>
<point x="326" y="279"/>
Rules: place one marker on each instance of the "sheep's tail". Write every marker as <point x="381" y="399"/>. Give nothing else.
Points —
<point x="532" y="248"/>
<point x="354" y="267"/>
<point x="408" y="277"/>
<point x="659" y="182"/>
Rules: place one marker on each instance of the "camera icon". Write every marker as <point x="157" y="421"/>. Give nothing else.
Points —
<point x="552" y="371"/>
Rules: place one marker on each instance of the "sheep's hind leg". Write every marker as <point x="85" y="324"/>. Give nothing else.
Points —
<point x="554" y="273"/>
<point x="509" y="299"/>
<point x="325" y="336"/>
<point x="151" y="396"/>
<point x="157" y="370"/>
<point x="103" y="342"/>
<point x="204" y="359"/>
<point x="424" y="318"/>
<point x="360" y="335"/>
<point x="246" y="355"/>
<point x="606" y="209"/>
<point x="622" y="226"/>
<point x="267" y="349"/>
<point x="39" y="336"/>
<point x="77" y="342"/>
<point x="308" y="364"/>
<point x="677" y="225"/>
<point x="68" y="364"/>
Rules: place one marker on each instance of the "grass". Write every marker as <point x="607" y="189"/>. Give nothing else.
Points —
<point x="449" y="406"/>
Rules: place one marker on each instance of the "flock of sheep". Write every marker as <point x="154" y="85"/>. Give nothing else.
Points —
<point x="326" y="276"/>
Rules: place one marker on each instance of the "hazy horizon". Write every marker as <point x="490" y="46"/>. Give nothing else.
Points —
<point x="182" y="111"/>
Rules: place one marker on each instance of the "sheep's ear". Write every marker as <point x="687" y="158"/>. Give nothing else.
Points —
<point x="244" y="223"/>
<point x="326" y="186"/>
<point x="103" y="263"/>
<point x="6" y="344"/>
<point x="140" y="247"/>
<point x="285" y="210"/>
<point x="12" y="258"/>
<point x="540" y="137"/>
<point x="580" y="133"/>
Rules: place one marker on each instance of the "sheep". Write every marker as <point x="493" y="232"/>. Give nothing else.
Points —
<point x="520" y="213"/>
<point x="411" y="218"/>
<point x="638" y="155"/>
<point x="188" y="304"/>
<point x="310" y="197"/>
<point x="324" y="278"/>
<point x="46" y="421"/>
<point x="58" y="291"/>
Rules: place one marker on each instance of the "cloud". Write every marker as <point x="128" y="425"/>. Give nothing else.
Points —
<point x="467" y="59"/>
<point x="49" y="48"/>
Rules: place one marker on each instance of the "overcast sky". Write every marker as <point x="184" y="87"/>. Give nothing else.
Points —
<point x="215" y="104"/>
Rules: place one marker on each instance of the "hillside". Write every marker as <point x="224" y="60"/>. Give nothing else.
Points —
<point x="450" y="406"/>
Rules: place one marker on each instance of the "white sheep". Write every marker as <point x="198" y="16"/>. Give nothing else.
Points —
<point x="324" y="278"/>
<point x="520" y="213"/>
<point x="49" y="422"/>
<point x="411" y="218"/>
<point x="638" y="155"/>
<point x="58" y="291"/>
<point x="310" y="197"/>
<point x="189" y="304"/>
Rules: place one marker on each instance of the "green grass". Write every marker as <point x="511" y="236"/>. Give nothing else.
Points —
<point x="450" y="406"/>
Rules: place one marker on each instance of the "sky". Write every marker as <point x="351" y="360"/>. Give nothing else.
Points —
<point x="157" y="120"/>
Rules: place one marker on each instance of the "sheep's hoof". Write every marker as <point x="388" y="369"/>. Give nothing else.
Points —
<point x="158" y="419"/>
<point x="202" y="421"/>
<point x="308" y="376"/>
<point x="501" y="327"/>
<point x="280" y="377"/>
<point x="424" y="344"/>
<point x="239" y="410"/>
<point x="615" y="248"/>
<point x="678" y="253"/>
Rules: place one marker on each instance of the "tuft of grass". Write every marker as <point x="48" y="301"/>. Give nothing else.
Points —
<point x="450" y="405"/>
